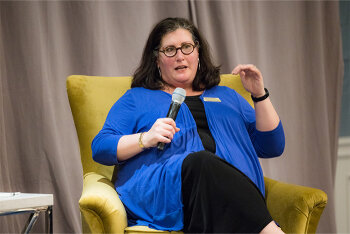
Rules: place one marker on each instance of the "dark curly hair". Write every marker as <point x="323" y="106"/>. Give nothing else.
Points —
<point x="147" y="74"/>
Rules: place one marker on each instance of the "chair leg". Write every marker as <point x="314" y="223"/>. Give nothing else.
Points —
<point x="31" y="221"/>
<point x="48" y="221"/>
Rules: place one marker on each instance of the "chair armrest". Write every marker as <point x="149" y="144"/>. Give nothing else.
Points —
<point x="100" y="205"/>
<point x="297" y="209"/>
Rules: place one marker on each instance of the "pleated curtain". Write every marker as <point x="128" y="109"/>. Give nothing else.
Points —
<point x="296" y="45"/>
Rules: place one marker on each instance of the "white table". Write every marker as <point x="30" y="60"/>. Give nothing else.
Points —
<point x="15" y="203"/>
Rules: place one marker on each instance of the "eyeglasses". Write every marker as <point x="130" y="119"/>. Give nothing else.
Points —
<point x="186" y="49"/>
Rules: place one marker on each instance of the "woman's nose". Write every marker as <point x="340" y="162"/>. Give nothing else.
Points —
<point x="179" y="55"/>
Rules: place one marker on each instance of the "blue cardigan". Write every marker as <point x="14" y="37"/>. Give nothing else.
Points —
<point x="149" y="184"/>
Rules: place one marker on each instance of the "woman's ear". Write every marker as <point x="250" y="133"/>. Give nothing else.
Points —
<point x="157" y="59"/>
<point x="160" y="73"/>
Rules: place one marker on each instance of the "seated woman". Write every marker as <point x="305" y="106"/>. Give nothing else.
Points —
<point x="208" y="178"/>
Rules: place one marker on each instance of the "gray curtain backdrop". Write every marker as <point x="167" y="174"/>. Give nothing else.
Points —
<point x="296" y="44"/>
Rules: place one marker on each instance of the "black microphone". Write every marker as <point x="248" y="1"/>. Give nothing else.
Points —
<point x="177" y="99"/>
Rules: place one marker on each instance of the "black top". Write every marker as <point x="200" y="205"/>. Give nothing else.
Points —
<point x="196" y="107"/>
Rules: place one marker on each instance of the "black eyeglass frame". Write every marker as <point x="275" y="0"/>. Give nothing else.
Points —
<point x="196" y="44"/>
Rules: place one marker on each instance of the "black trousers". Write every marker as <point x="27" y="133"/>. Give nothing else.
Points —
<point x="218" y="198"/>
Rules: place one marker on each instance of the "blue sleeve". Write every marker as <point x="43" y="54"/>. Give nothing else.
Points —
<point x="120" y="121"/>
<point x="267" y="144"/>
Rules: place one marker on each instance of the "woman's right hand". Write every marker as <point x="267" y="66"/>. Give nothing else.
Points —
<point x="163" y="130"/>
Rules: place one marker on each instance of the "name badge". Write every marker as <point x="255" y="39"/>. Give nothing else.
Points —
<point x="211" y="99"/>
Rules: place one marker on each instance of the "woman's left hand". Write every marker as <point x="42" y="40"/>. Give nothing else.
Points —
<point x="252" y="79"/>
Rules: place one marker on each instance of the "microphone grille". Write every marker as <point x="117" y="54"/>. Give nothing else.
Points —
<point x="179" y="95"/>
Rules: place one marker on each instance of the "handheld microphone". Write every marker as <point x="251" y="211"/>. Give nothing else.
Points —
<point x="177" y="99"/>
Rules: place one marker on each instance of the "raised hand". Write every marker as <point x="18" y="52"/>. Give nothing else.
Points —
<point x="251" y="77"/>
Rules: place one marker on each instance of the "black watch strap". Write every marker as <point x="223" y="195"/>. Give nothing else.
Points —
<point x="259" y="99"/>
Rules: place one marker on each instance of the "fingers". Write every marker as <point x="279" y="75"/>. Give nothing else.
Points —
<point x="168" y="121"/>
<point x="243" y="69"/>
<point x="251" y="78"/>
<point x="166" y="128"/>
<point x="163" y="130"/>
<point x="167" y="132"/>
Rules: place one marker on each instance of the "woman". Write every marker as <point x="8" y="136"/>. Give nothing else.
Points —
<point x="208" y="177"/>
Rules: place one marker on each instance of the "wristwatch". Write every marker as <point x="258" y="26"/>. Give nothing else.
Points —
<point x="259" y="99"/>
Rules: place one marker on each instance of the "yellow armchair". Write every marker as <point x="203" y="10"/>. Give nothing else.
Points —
<point x="296" y="208"/>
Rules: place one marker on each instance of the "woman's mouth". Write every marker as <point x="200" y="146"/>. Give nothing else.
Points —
<point x="180" y="67"/>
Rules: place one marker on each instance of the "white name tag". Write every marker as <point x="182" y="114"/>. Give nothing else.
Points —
<point x="211" y="99"/>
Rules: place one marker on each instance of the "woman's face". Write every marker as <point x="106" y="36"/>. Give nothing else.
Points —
<point x="179" y="70"/>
